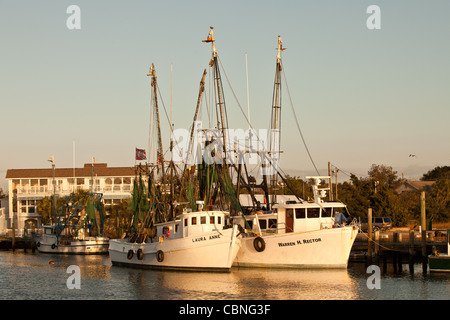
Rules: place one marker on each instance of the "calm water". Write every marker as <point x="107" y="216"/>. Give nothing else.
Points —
<point x="30" y="276"/>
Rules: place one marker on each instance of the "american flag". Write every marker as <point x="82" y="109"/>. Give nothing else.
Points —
<point x="140" y="154"/>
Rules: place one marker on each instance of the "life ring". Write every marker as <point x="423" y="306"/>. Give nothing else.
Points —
<point x="38" y="244"/>
<point x="53" y="246"/>
<point x="130" y="254"/>
<point x="160" y="256"/>
<point x="259" y="244"/>
<point x="140" y="254"/>
<point x="166" y="231"/>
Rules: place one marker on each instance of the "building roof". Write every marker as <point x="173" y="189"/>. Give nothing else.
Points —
<point x="416" y="186"/>
<point x="100" y="169"/>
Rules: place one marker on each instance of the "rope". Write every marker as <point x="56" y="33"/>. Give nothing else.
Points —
<point x="377" y="243"/>
<point x="296" y="121"/>
<point x="281" y="233"/>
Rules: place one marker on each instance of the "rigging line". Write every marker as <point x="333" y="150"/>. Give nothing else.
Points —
<point x="234" y="95"/>
<point x="296" y="120"/>
<point x="165" y="111"/>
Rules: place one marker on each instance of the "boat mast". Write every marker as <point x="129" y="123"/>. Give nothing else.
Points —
<point x="222" y="123"/>
<point x="275" y="126"/>
<point x="159" y="153"/>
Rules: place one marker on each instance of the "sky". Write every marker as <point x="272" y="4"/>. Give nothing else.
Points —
<point x="362" y="96"/>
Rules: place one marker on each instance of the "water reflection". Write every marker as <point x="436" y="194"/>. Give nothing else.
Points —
<point x="30" y="276"/>
<point x="243" y="284"/>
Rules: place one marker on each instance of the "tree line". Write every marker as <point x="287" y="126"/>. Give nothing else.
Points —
<point x="380" y="191"/>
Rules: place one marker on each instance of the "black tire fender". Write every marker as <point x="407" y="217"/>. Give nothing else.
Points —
<point x="259" y="244"/>
<point x="160" y="256"/>
<point x="140" y="254"/>
<point x="130" y="254"/>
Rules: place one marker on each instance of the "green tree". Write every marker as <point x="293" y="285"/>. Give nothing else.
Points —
<point x="355" y="194"/>
<point x="438" y="201"/>
<point x="437" y="173"/>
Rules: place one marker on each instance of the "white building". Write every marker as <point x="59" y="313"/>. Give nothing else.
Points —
<point x="27" y="186"/>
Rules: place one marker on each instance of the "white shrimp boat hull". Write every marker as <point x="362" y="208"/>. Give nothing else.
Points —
<point x="91" y="245"/>
<point x="211" y="251"/>
<point x="325" y="248"/>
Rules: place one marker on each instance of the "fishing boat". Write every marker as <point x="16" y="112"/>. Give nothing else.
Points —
<point x="159" y="238"/>
<point x="294" y="233"/>
<point x="198" y="240"/>
<point x="297" y="234"/>
<point x="440" y="262"/>
<point x="78" y="230"/>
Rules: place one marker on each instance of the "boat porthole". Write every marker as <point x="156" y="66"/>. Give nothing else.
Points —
<point x="130" y="254"/>
<point x="140" y="254"/>
<point x="160" y="256"/>
<point x="259" y="244"/>
<point x="53" y="246"/>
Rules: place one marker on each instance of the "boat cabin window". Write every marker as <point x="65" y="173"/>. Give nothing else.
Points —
<point x="263" y="224"/>
<point x="219" y="220"/>
<point x="193" y="221"/>
<point x="211" y="220"/>
<point x="327" y="212"/>
<point x="313" y="212"/>
<point x="203" y="220"/>
<point x="300" y="213"/>
<point x="185" y="222"/>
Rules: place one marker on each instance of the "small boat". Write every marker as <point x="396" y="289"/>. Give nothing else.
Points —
<point x="439" y="262"/>
<point x="53" y="242"/>
<point x="199" y="240"/>
<point x="297" y="235"/>
<point x="79" y="230"/>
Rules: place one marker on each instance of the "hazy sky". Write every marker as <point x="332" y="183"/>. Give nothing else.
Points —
<point x="362" y="96"/>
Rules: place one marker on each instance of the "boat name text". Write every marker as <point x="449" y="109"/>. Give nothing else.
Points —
<point x="298" y="242"/>
<point x="216" y="236"/>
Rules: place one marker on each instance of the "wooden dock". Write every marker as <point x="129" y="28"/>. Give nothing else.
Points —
<point x="398" y="248"/>
<point x="7" y="243"/>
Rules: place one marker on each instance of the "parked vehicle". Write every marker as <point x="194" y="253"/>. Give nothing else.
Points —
<point x="378" y="223"/>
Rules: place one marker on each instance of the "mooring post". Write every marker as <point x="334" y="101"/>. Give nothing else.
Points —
<point x="369" y="234"/>
<point x="13" y="242"/>
<point x="377" y="242"/>
<point x="411" y="251"/>
<point x="424" y="230"/>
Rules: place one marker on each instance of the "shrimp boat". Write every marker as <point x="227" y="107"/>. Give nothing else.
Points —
<point x="297" y="234"/>
<point x="79" y="230"/>
<point x="199" y="240"/>
<point x="194" y="240"/>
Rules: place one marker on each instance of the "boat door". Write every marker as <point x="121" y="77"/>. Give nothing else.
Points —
<point x="289" y="220"/>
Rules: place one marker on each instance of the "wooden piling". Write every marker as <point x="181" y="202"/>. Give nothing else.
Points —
<point x="369" y="234"/>
<point x="13" y="243"/>
<point x="424" y="231"/>
<point x="377" y="242"/>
